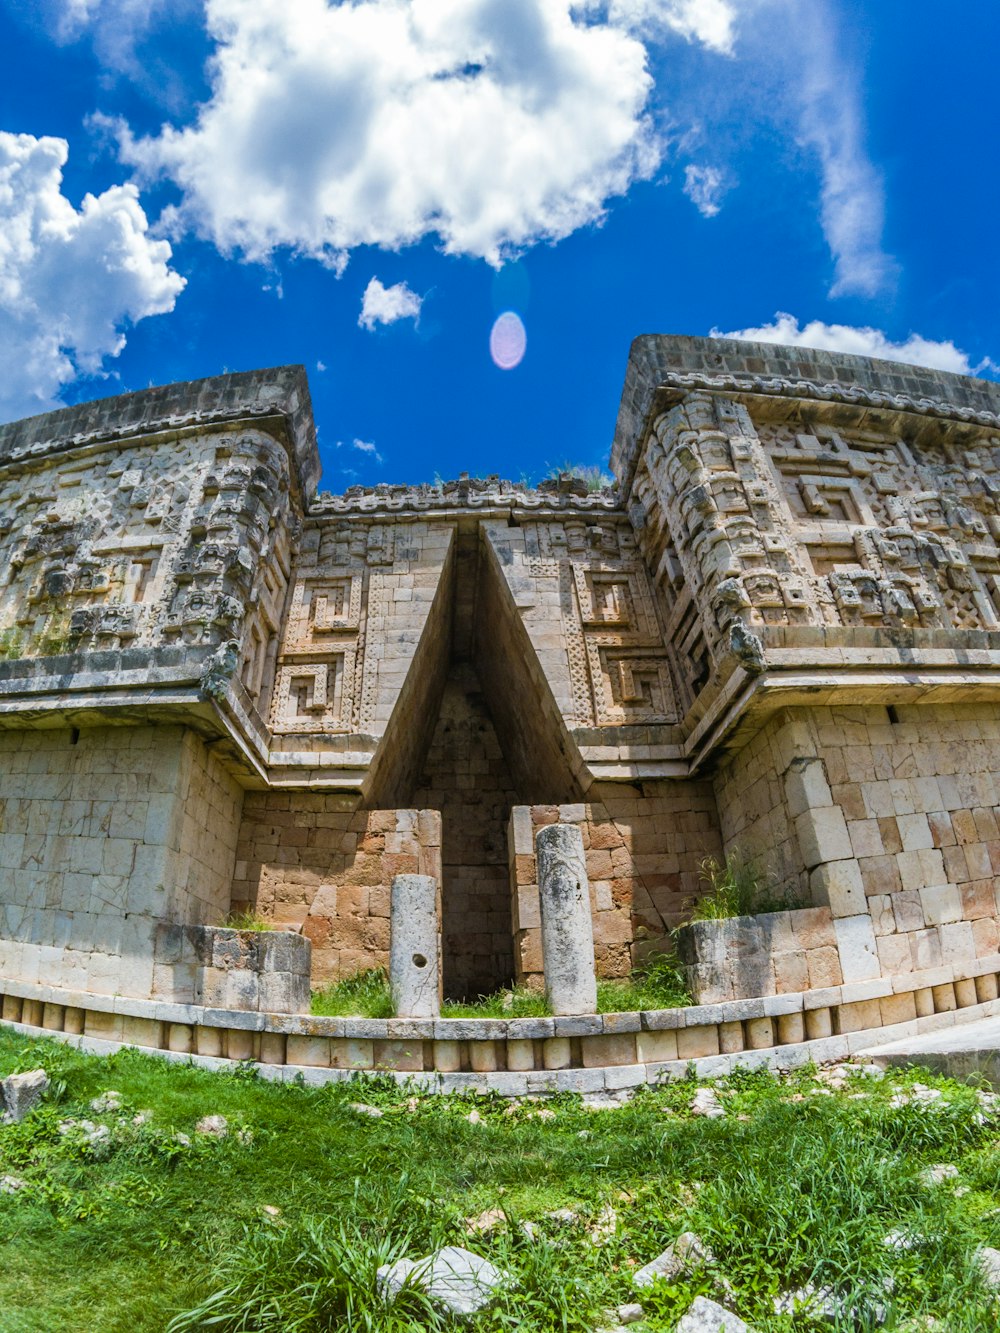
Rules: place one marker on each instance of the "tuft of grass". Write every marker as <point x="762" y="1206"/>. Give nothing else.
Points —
<point x="364" y="994"/>
<point x="736" y="889"/>
<point x="595" y="477"/>
<point x="518" y="1002"/>
<point x="659" y="983"/>
<point x="248" y="920"/>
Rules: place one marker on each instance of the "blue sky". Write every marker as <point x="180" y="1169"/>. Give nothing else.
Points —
<point x="189" y="186"/>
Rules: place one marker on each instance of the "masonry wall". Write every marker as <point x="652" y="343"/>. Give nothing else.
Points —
<point x="466" y="778"/>
<point x="644" y="848"/>
<point x="316" y="863"/>
<point x="106" y="832"/>
<point x="888" y="815"/>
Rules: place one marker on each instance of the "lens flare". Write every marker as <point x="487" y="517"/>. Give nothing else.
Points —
<point x="508" y="340"/>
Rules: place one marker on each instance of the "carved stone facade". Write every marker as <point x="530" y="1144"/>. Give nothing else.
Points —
<point x="777" y="634"/>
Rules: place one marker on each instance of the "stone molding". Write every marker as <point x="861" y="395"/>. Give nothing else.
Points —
<point x="518" y="1056"/>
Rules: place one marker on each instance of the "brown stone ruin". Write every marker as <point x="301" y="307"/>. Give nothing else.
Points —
<point x="776" y="636"/>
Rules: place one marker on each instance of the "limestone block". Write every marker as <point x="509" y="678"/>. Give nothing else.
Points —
<point x="806" y="787"/>
<point x="556" y="1053"/>
<point x="208" y="1041"/>
<point x="791" y="1028"/>
<point x="924" y="1001"/>
<point x="695" y="1042"/>
<point x="760" y="1033"/>
<point x="901" y="1008"/>
<point x="448" y="1056"/>
<point x="656" y="1047"/>
<point x="520" y="1055"/>
<point x="731" y="1037"/>
<point x="180" y="1037"/>
<point x="567" y="929"/>
<point x="483" y="1057"/>
<point x="839" y="886"/>
<point x="941" y="903"/>
<point x="965" y="992"/>
<point x="272" y="1048"/>
<point x="616" y="1049"/>
<point x="986" y="987"/>
<point x="823" y="836"/>
<point x="415" y="947"/>
<point x="944" y="998"/>
<point x="240" y="1044"/>
<point x="819" y="1024"/>
<point x="21" y="1093"/>
<point x="856" y="947"/>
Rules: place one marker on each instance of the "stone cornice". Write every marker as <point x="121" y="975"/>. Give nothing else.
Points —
<point x="663" y="369"/>
<point x="277" y="399"/>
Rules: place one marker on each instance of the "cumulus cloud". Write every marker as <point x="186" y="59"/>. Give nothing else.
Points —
<point x="71" y="280"/>
<point x="710" y="22"/>
<point x="493" y="124"/>
<point x="385" y="305"/>
<point x="704" y="186"/>
<point x="915" y="351"/>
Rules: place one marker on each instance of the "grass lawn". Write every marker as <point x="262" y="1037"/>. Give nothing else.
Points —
<point x="289" y="1215"/>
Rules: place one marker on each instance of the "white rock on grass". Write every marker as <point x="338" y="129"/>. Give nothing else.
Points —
<point x="705" y="1316"/>
<point x="706" y="1103"/>
<point x="21" y="1093"/>
<point x="362" y="1108"/>
<point x="630" y="1314"/>
<point x="988" y="1260"/>
<point x="813" y="1302"/>
<point x="11" y="1184"/>
<point x="687" y="1251"/>
<point x="107" y="1101"/>
<point x="456" y="1279"/>
<point x="937" y="1175"/>
<point x="215" y="1126"/>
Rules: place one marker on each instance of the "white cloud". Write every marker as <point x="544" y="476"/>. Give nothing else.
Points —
<point x="915" y="351"/>
<point x="385" y="305"/>
<point x="704" y="186"/>
<point x="363" y="447"/>
<point x="710" y="22"/>
<point x="127" y="38"/>
<point x="492" y="124"/>
<point x="832" y="125"/>
<point x="71" y="279"/>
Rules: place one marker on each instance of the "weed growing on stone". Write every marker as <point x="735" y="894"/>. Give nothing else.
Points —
<point x="248" y="920"/>
<point x="736" y="889"/>
<point x="120" y="1213"/>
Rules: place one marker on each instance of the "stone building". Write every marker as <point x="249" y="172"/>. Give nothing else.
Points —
<point x="777" y="635"/>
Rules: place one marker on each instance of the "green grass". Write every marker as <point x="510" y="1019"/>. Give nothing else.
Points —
<point x="363" y="994"/>
<point x="248" y="920"/>
<point x="282" y="1228"/>
<point x="736" y="889"/>
<point x="658" y="984"/>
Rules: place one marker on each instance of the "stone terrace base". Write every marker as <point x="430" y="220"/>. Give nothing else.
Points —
<point x="519" y="1056"/>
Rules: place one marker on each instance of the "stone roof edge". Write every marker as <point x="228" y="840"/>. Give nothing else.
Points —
<point x="684" y="363"/>
<point x="274" y="392"/>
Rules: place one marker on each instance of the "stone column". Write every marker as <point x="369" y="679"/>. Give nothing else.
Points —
<point x="567" y="929"/>
<point x="415" y="947"/>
